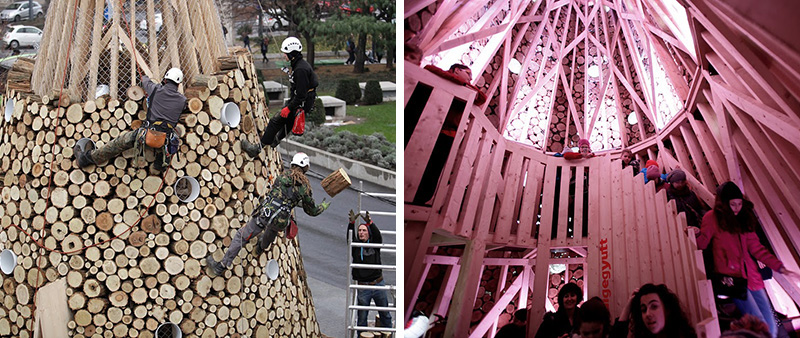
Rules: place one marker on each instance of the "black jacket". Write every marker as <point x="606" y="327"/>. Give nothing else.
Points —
<point x="366" y="255"/>
<point x="303" y="79"/>
<point x="556" y="324"/>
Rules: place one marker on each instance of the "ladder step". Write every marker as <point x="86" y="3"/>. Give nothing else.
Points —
<point x="372" y="308"/>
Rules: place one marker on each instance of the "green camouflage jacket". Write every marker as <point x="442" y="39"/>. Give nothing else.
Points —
<point x="275" y="208"/>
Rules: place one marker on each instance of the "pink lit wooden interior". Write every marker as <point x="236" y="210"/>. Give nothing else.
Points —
<point x="710" y="87"/>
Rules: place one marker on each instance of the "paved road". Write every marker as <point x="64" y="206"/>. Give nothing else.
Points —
<point x="324" y="247"/>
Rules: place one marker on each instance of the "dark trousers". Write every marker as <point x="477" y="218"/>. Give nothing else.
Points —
<point x="280" y="127"/>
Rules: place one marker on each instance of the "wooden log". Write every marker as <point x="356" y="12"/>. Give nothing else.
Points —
<point x="135" y="93"/>
<point x="336" y="182"/>
<point x="201" y="93"/>
<point x="227" y="62"/>
<point x="195" y="105"/>
<point x="200" y="80"/>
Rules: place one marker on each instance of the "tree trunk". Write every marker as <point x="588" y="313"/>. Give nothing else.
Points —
<point x="310" y="54"/>
<point x="361" y="56"/>
<point x="260" y="25"/>
<point x="390" y="54"/>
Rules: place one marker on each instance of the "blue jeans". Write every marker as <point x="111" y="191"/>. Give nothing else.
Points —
<point x="379" y="296"/>
<point x="757" y="304"/>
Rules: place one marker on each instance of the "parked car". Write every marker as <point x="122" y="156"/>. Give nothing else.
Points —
<point x="273" y="20"/>
<point x="18" y="35"/>
<point x="19" y="11"/>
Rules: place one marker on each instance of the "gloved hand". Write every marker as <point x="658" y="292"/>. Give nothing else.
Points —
<point x="353" y="216"/>
<point x="324" y="204"/>
<point x="367" y="218"/>
<point x="285" y="112"/>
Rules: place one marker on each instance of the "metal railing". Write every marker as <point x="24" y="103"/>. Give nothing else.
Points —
<point x="352" y="307"/>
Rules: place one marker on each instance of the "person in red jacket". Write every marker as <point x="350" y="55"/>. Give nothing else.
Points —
<point x="730" y="230"/>
<point x="584" y="151"/>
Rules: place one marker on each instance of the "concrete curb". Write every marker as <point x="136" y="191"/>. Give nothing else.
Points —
<point x="355" y="169"/>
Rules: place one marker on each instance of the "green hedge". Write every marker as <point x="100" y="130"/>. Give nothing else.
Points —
<point x="348" y="91"/>
<point x="317" y="116"/>
<point x="373" y="149"/>
<point x="373" y="93"/>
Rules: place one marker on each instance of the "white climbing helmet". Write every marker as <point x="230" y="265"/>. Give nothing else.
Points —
<point x="291" y="44"/>
<point x="174" y="74"/>
<point x="300" y="160"/>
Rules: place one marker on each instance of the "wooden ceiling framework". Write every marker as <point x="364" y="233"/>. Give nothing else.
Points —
<point x="722" y="106"/>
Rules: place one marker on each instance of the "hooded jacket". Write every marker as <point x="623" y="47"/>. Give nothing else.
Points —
<point x="366" y="255"/>
<point x="732" y="252"/>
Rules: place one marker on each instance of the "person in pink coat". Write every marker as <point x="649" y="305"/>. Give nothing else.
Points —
<point x="730" y="230"/>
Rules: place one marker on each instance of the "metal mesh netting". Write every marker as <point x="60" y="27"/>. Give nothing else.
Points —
<point x="106" y="44"/>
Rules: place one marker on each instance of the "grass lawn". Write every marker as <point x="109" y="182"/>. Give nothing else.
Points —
<point x="379" y="118"/>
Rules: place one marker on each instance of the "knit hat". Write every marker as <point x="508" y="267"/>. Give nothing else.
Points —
<point x="676" y="175"/>
<point x="584" y="141"/>
<point x="729" y="191"/>
<point x="650" y="163"/>
<point x="653" y="172"/>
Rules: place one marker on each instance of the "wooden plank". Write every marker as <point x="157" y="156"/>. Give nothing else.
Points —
<point x="207" y="59"/>
<point x="51" y="303"/>
<point x="622" y="274"/>
<point x="473" y="196"/>
<point x="668" y="242"/>
<point x="697" y="154"/>
<point x="710" y="147"/>
<point x="442" y="304"/>
<point x="683" y="155"/>
<point x="140" y="61"/>
<point x="486" y="210"/>
<point x="577" y="215"/>
<point x="635" y="253"/>
<point x="563" y="203"/>
<point x="188" y="40"/>
<point x="460" y="312"/>
<point x="80" y="45"/>
<point x="64" y="46"/>
<point x="97" y="47"/>
<point x="512" y="183"/>
<point x="531" y="199"/>
<point x="152" y="42"/>
<point x="682" y="258"/>
<point x="172" y="39"/>
<point x="659" y="252"/>
<point x="449" y="197"/>
<point x="543" y="247"/>
<point x="423" y="139"/>
<point x="773" y="192"/>
<point x="416" y="238"/>
<point x="491" y="316"/>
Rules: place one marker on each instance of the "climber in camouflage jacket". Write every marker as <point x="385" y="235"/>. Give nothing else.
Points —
<point x="273" y="214"/>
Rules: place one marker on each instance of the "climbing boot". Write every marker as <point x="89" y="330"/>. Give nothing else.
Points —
<point x="250" y="148"/>
<point x="83" y="152"/>
<point x="85" y="159"/>
<point x="258" y="250"/>
<point x="215" y="266"/>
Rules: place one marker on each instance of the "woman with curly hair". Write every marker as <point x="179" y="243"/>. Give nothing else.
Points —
<point x="654" y="311"/>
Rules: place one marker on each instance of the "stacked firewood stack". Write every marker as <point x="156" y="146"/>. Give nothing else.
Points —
<point x="150" y="266"/>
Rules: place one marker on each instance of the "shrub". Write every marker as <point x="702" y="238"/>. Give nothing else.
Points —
<point x="348" y="91"/>
<point x="373" y="93"/>
<point x="317" y="116"/>
<point x="373" y="149"/>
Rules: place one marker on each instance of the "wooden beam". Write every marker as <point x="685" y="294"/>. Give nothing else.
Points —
<point x="139" y="59"/>
<point x="508" y="295"/>
<point x="703" y="170"/>
<point x="460" y="313"/>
